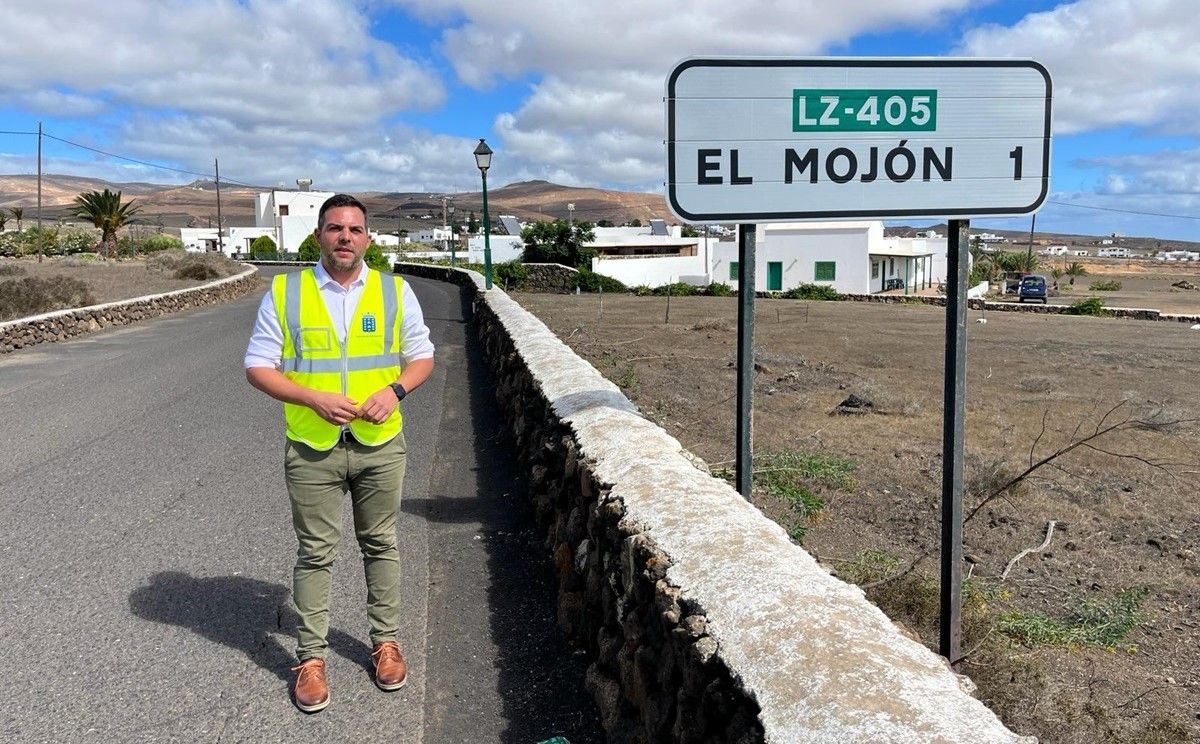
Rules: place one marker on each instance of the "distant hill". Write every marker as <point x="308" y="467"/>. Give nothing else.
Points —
<point x="196" y="203"/>
<point x="1019" y="239"/>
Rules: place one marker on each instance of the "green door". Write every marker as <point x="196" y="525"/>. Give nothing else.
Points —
<point x="775" y="276"/>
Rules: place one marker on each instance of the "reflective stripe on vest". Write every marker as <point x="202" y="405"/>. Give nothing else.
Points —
<point x="367" y="361"/>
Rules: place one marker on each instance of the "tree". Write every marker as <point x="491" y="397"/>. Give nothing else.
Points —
<point x="310" y="249"/>
<point x="635" y="222"/>
<point x="263" y="248"/>
<point x="472" y="224"/>
<point x="1075" y="269"/>
<point x="3" y="221"/>
<point x="1056" y="273"/>
<point x="604" y="223"/>
<point x="687" y="231"/>
<point x="17" y="213"/>
<point x="375" y="259"/>
<point x="106" y="211"/>
<point x="558" y="242"/>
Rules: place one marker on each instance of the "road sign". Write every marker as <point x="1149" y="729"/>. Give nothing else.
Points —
<point x="775" y="140"/>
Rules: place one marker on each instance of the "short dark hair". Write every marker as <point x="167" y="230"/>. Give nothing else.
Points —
<point x="340" y="200"/>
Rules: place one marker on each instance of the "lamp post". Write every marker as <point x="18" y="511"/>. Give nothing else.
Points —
<point x="571" y="214"/>
<point x="483" y="159"/>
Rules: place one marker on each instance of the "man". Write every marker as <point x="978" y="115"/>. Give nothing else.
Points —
<point x="341" y="345"/>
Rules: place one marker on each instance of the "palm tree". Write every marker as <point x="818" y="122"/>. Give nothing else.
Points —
<point x="1075" y="269"/>
<point x="106" y="211"/>
<point x="1056" y="273"/>
<point x="3" y="220"/>
<point x="17" y="213"/>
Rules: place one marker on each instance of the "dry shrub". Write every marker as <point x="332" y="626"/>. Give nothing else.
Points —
<point x="8" y="269"/>
<point x="200" y="271"/>
<point x="1036" y="384"/>
<point x="888" y="399"/>
<point x="714" y="324"/>
<point x="21" y="298"/>
<point x="173" y="262"/>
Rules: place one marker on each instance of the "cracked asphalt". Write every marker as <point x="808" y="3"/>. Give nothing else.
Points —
<point x="147" y="547"/>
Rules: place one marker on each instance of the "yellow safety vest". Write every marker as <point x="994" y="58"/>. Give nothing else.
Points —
<point x="368" y="361"/>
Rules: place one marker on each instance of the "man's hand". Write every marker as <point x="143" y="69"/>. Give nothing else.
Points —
<point x="379" y="406"/>
<point x="334" y="408"/>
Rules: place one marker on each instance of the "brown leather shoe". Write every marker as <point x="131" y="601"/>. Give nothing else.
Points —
<point x="391" y="672"/>
<point x="311" y="692"/>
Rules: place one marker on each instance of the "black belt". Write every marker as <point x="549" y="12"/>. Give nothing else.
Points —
<point x="347" y="436"/>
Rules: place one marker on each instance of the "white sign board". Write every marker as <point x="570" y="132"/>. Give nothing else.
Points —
<point x="775" y="140"/>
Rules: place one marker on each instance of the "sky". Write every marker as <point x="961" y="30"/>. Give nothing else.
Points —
<point x="393" y="95"/>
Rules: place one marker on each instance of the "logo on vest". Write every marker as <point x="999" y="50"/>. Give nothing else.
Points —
<point x="368" y="323"/>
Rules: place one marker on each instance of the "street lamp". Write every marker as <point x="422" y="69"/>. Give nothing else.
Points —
<point x="453" y="237"/>
<point x="483" y="159"/>
<point x="571" y="213"/>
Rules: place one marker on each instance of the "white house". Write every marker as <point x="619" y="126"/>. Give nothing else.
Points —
<point x="652" y="255"/>
<point x="291" y="215"/>
<point x="1114" y="253"/>
<point x="788" y="254"/>
<point x="1055" y="250"/>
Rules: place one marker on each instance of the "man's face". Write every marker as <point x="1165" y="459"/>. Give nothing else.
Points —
<point x="343" y="238"/>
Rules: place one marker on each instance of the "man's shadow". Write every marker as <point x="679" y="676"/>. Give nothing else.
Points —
<point x="241" y="613"/>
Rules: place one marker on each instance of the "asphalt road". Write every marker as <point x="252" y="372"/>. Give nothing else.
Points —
<point x="147" y="547"/>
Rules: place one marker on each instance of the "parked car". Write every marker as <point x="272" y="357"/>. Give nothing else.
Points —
<point x="1032" y="287"/>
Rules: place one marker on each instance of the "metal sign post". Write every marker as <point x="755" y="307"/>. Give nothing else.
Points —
<point x="745" y="356"/>
<point x="954" y="408"/>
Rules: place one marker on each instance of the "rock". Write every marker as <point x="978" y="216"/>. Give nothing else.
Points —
<point x="854" y="405"/>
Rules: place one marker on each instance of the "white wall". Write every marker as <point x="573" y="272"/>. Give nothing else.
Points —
<point x="799" y="246"/>
<point x="504" y="248"/>
<point x="198" y="239"/>
<point x="653" y="271"/>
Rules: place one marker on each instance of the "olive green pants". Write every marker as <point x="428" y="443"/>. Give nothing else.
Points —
<point x="317" y="482"/>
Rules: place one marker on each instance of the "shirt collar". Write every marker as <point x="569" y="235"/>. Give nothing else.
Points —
<point x="323" y="277"/>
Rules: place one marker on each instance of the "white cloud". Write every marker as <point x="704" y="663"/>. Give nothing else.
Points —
<point x="596" y="115"/>
<point x="1159" y="173"/>
<point x="256" y="81"/>
<point x="1113" y="62"/>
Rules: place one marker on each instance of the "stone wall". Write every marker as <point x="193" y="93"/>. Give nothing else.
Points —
<point x="64" y="324"/>
<point x="551" y="278"/>
<point x="702" y="621"/>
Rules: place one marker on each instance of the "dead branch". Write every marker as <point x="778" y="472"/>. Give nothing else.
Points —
<point x="1045" y="544"/>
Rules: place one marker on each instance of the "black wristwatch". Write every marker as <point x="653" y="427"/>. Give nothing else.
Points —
<point x="399" y="390"/>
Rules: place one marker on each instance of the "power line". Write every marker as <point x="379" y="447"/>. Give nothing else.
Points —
<point x="1125" y="211"/>
<point x="34" y="134"/>
<point x="141" y="162"/>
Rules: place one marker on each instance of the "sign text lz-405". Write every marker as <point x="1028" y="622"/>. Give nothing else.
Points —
<point x="844" y="110"/>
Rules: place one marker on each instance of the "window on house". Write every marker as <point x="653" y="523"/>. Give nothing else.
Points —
<point x="874" y="269"/>
<point x="283" y="210"/>
<point x="734" y="269"/>
<point x="826" y="271"/>
<point x="891" y="266"/>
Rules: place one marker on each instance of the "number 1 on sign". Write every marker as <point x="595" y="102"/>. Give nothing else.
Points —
<point x="1016" y="158"/>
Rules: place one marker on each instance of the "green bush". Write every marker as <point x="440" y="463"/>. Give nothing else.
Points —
<point x="510" y="275"/>
<point x="590" y="281"/>
<point x="812" y="292"/>
<point x="643" y="290"/>
<point x="310" y="249"/>
<point x="73" y="240"/>
<point x="719" y="289"/>
<point x="264" y="249"/>
<point x="156" y="243"/>
<point x="1090" y="306"/>
<point x="1110" y="285"/>
<point x="676" y="289"/>
<point x="20" y="298"/>
<point x="375" y="259"/>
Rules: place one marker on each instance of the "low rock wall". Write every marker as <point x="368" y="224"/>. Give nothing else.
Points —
<point x="702" y="621"/>
<point x="61" y="325"/>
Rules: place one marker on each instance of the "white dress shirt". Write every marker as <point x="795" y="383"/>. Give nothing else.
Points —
<point x="266" y="341"/>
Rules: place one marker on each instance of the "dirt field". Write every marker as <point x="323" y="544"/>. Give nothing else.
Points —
<point x="1144" y="284"/>
<point x="108" y="281"/>
<point x="1095" y="638"/>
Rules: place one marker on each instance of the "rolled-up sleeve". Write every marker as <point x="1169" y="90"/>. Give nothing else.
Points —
<point x="266" y="341"/>
<point x="415" y="343"/>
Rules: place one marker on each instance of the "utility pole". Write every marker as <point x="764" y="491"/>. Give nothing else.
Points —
<point x="220" y="237"/>
<point x="41" y="248"/>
